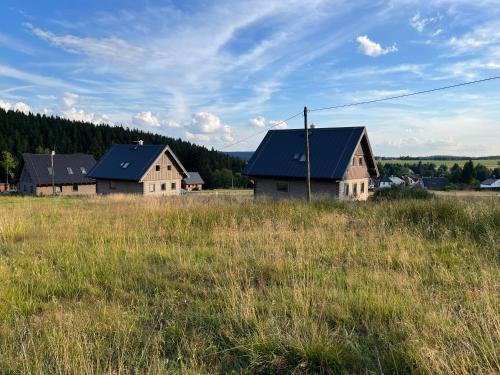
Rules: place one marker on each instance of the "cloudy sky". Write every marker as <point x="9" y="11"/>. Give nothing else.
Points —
<point x="215" y="72"/>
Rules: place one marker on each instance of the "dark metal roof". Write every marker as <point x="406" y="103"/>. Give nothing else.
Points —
<point x="282" y="153"/>
<point x="194" y="178"/>
<point x="489" y="181"/>
<point x="435" y="182"/>
<point x="37" y="165"/>
<point x="130" y="162"/>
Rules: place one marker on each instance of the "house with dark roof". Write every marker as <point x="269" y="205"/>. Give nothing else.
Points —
<point x="193" y="182"/>
<point x="139" y="169"/>
<point x="390" y="181"/>
<point x="490" y="183"/>
<point x="65" y="174"/>
<point x="436" y="183"/>
<point x="341" y="160"/>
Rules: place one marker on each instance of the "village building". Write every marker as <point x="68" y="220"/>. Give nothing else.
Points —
<point x="435" y="183"/>
<point x="64" y="174"/>
<point x="193" y="182"/>
<point x="4" y="186"/>
<point x="390" y="181"/>
<point x="341" y="162"/>
<point x="490" y="183"/>
<point x="139" y="169"/>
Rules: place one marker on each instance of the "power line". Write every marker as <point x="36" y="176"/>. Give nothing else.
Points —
<point x="260" y="132"/>
<point x="404" y="95"/>
<point x="363" y="103"/>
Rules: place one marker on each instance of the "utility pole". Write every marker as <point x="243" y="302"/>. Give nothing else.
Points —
<point x="308" y="162"/>
<point x="53" y="172"/>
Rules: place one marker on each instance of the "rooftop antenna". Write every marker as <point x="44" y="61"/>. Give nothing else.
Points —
<point x="52" y="153"/>
<point x="308" y="162"/>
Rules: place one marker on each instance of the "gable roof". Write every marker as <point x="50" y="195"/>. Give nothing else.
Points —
<point x="282" y="153"/>
<point x="37" y="165"/>
<point x="393" y="180"/>
<point x="130" y="162"/>
<point x="489" y="181"/>
<point x="194" y="178"/>
<point x="434" y="182"/>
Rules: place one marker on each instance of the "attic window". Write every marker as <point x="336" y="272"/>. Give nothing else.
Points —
<point x="169" y="167"/>
<point x="70" y="171"/>
<point x="157" y="167"/>
<point x="84" y="171"/>
<point x="124" y="165"/>
<point x="51" y="171"/>
<point x="360" y="161"/>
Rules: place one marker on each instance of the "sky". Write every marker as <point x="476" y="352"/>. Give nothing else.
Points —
<point x="218" y="72"/>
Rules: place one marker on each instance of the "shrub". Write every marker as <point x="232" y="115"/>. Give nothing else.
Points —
<point x="401" y="192"/>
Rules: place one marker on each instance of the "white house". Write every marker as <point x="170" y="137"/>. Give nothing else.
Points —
<point x="490" y="183"/>
<point x="389" y="181"/>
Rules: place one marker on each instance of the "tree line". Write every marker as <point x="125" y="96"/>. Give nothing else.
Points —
<point x="36" y="133"/>
<point x="470" y="173"/>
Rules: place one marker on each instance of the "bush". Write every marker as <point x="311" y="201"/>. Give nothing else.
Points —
<point x="401" y="192"/>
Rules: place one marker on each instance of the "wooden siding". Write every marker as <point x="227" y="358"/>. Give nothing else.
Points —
<point x="66" y="190"/>
<point x="357" y="172"/>
<point x="164" y="160"/>
<point x="120" y="187"/>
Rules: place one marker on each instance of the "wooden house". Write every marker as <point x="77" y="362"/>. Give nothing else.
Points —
<point x="193" y="182"/>
<point x="66" y="174"/>
<point x="341" y="161"/>
<point x="139" y="169"/>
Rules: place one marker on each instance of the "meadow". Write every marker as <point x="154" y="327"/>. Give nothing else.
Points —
<point x="489" y="163"/>
<point x="204" y="284"/>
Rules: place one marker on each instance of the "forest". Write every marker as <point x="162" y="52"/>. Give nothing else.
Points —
<point x="36" y="133"/>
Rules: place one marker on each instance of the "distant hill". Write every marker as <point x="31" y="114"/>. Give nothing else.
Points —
<point x="438" y="157"/>
<point x="244" y="155"/>
<point x="20" y="133"/>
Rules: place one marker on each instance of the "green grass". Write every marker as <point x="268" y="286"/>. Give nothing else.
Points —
<point x="203" y="284"/>
<point x="490" y="163"/>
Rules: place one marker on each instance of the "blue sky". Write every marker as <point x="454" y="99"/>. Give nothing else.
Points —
<point x="214" y="72"/>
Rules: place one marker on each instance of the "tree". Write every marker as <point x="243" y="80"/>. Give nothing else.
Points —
<point x="455" y="173"/>
<point x="468" y="172"/>
<point x="482" y="172"/>
<point x="9" y="164"/>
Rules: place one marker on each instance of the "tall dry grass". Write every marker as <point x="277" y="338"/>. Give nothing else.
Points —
<point x="202" y="285"/>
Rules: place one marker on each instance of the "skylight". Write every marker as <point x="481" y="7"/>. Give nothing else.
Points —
<point x="84" y="171"/>
<point x="70" y="171"/>
<point x="302" y="157"/>
<point x="50" y="171"/>
<point x="124" y="165"/>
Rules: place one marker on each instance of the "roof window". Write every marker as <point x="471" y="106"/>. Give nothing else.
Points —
<point x="51" y="171"/>
<point x="70" y="171"/>
<point x="124" y="164"/>
<point x="302" y="157"/>
<point x="84" y="171"/>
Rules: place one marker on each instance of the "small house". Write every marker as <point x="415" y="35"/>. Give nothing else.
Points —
<point x="490" y="183"/>
<point x="63" y="174"/>
<point x="436" y="183"/>
<point x="341" y="164"/>
<point x="193" y="182"/>
<point x="139" y="169"/>
<point x="4" y="186"/>
<point x="390" y="181"/>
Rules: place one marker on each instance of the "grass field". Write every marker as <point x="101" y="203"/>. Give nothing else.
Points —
<point x="490" y="163"/>
<point x="204" y="284"/>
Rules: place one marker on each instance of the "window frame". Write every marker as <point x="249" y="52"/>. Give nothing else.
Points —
<point x="362" y="188"/>
<point x="70" y="170"/>
<point x="152" y="187"/>
<point x="75" y="187"/>
<point x="163" y="186"/>
<point x="157" y="167"/>
<point x="346" y="189"/>
<point x="169" y="167"/>
<point x="112" y="185"/>
<point x="51" y="171"/>
<point x="355" y="189"/>
<point x="173" y="186"/>
<point x="360" y="161"/>
<point x="282" y="187"/>
<point x="83" y="170"/>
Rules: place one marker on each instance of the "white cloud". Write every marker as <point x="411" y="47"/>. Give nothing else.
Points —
<point x="111" y="48"/>
<point x="205" y="122"/>
<point x="19" y="106"/>
<point x="227" y="134"/>
<point x="257" y="122"/>
<point x="145" y="119"/>
<point x="197" y="137"/>
<point x="419" y="23"/>
<point x="70" y="99"/>
<point x="373" y="49"/>
<point x="80" y="115"/>
<point x="171" y="124"/>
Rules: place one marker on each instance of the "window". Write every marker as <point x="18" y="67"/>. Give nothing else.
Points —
<point x="302" y="157"/>
<point x="360" y="161"/>
<point x="51" y="171"/>
<point x="362" y="187"/>
<point x="346" y="188"/>
<point x="157" y="167"/>
<point x="282" y="186"/>
<point x="70" y="171"/>
<point x="169" y="167"/>
<point x="124" y="164"/>
<point x="353" y="161"/>
<point x="163" y="187"/>
<point x="75" y="187"/>
<point x="355" y="189"/>
<point x="84" y="171"/>
<point x="151" y="188"/>
<point x="173" y="186"/>
<point x="112" y="185"/>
